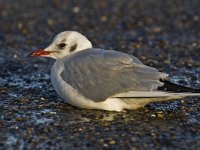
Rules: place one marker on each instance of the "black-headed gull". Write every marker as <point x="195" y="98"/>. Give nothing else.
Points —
<point x="94" y="78"/>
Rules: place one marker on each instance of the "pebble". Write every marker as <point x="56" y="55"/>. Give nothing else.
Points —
<point x="50" y="21"/>
<point x="103" y="18"/>
<point x="112" y="142"/>
<point x="10" y="113"/>
<point x="20" y="119"/>
<point x="160" y="115"/>
<point x="42" y="98"/>
<point x="76" y="9"/>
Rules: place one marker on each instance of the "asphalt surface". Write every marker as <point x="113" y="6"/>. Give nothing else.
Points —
<point x="163" y="34"/>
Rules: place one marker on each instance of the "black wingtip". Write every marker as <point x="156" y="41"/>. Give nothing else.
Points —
<point x="172" y="87"/>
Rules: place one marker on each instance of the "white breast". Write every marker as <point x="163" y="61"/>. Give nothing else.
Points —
<point x="73" y="97"/>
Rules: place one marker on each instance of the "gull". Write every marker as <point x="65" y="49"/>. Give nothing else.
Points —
<point x="95" y="78"/>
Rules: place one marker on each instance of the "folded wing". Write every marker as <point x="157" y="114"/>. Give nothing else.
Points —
<point x="98" y="74"/>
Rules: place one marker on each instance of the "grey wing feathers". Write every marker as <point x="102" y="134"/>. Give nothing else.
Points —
<point x="98" y="74"/>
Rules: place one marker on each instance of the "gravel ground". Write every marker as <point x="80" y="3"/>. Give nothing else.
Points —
<point x="163" y="34"/>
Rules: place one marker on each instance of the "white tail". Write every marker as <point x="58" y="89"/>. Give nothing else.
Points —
<point x="153" y="94"/>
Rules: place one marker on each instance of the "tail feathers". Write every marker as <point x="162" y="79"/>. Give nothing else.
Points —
<point x="169" y="89"/>
<point x="153" y="94"/>
<point x="172" y="87"/>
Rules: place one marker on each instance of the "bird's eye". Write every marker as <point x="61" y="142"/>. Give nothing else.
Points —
<point x="61" y="45"/>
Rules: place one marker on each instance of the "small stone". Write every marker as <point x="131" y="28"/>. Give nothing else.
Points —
<point x="76" y="9"/>
<point x="20" y="25"/>
<point x="160" y="115"/>
<point x="80" y="129"/>
<point x="194" y="44"/>
<point x="30" y="131"/>
<point x="26" y="101"/>
<point x="52" y="113"/>
<point x="10" y="113"/>
<point x="50" y="22"/>
<point x="105" y="145"/>
<point x="112" y="142"/>
<point x="167" y="61"/>
<point x="196" y="18"/>
<point x="156" y="29"/>
<point x="19" y="119"/>
<point x="101" y="140"/>
<point x="133" y="139"/>
<point x="103" y="18"/>
<point x="143" y="57"/>
<point x="15" y="56"/>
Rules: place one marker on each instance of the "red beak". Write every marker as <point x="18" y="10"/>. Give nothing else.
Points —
<point x="39" y="52"/>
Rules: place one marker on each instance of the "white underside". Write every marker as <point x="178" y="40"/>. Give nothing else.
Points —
<point x="119" y="102"/>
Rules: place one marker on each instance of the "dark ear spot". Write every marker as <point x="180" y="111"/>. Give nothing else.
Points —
<point x="73" y="47"/>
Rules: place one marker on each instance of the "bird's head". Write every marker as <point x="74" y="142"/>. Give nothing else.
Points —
<point x="63" y="44"/>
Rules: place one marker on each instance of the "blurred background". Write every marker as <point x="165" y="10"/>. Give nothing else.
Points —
<point x="163" y="34"/>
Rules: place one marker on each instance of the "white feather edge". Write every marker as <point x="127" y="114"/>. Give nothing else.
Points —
<point x="151" y="94"/>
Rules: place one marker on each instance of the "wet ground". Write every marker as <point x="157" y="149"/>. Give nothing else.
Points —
<point x="163" y="34"/>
